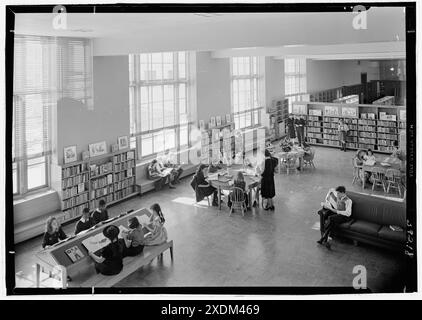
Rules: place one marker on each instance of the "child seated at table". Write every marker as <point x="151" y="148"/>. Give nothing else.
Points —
<point x="158" y="233"/>
<point x="85" y="222"/>
<point x="111" y="260"/>
<point x="239" y="182"/>
<point x="100" y="214"/>
<point x="53" y="233"/>
<point x="369" y="158"/>
<point x="134" y="239"/>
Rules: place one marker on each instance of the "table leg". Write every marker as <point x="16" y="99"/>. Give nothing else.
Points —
<point x="363" y="179"/>
<point x="219" y="198"/>
<point x="300" y="163"/>
<point x="37" y="275"/>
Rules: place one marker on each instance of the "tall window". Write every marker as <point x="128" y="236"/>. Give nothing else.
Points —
<point x="45" y="70"/>
<point x="158" y="101"/>
<point x="294" y="79"/>
<point x="245" y="91"/>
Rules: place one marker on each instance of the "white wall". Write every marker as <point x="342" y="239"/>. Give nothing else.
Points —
<point x="212" y="86"/>
<point x="328" y="74"/>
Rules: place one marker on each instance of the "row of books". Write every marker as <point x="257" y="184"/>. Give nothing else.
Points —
<point x="387" y="136"/>
<point x="368" y="134"/>
<point x="124" y="183"/>
<point x="74" y="170"/>
<point x="313" y="129"/>
<point x="350" y="121"/>
<point x="351" y="145"/>
<point x="96" y="170"/>
<point x="102" y="182"/>
<point x="387" y="130"/>
<point x="367" y="122"/>
<point x="74" y="212"/>
<point x="102" y="191"/>
<point x="123" y="174"/>
<point x="122" y="157"/>
<point x="315" y="135"/>
<point x="70" y="182"/>
<point x="71" y="202"/>
<point x="331" y="131"/>
<point x="330" y="119"/>
<point x="386" y="148"/>
<point x="367" y="140"/>
<point x="124" y="193"/>
<point x="74" y="191"/>
<point x="124" y="165"/>
<point x="382" y="142"/>
<point x="367" y="115"/>
<point x="331" y="136"/>
<point x="367" y="128"/>
<point x="315" y="124"/>
<point x="387" y="123"/>
<point x="331" y="142"/>
<point x="312" y="140"/>
<point x="314" y="118"/>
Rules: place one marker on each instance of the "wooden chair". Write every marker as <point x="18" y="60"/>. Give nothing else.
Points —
<point x="238" y="200"/>
<point x="393" y="179"/>
<point x="308" y="160"/>
<point x="357" y="171"/>
<point x="288" y="162"/>
<point x="378" y="178"/>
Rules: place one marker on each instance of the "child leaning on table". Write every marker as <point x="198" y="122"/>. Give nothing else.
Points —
<point x="135" y="238"/>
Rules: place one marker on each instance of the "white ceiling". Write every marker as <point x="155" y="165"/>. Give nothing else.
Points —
<point x="122" y="33"/>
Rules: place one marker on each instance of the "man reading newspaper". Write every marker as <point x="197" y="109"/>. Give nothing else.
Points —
<point x="338" y="209"/>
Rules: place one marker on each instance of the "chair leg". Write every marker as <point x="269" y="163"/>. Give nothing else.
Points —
<point x="398" y="187"/>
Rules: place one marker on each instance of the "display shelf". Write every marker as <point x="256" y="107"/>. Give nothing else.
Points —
<point x="365" y="130"/>
<point x="78" y="188"/>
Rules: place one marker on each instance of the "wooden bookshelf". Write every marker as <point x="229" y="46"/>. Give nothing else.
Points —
<point x="278" y="115"/>
<point x="83" y="184"/>
<point x="376" y="127"/>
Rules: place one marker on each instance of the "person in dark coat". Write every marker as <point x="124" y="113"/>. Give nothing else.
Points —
<point x="267" y="181"/>
<point x="85" y="222"/>
<point x="111" y="260"/>
<point x="202" y="187"/>
<point x="291" y="132"/>
<point x="300" y="124"/>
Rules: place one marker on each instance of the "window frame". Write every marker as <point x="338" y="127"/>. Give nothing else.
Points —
<point x="253" y="74"/>
<point x="135" y="86"/>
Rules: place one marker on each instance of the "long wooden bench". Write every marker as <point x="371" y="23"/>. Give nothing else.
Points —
<point x="130" y="265"/>
<point x="146" y="185"/>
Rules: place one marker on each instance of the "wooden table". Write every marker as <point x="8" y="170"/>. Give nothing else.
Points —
<point x="296" y="151"/>
<point x="368" y="168"/>
<point x="225" y="183"/>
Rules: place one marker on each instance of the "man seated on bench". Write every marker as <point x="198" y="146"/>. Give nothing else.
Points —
<point x="338" y="209"/>
<point x="160" y="175"/>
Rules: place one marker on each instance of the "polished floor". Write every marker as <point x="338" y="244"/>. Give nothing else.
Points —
<point x="263" y="248"/>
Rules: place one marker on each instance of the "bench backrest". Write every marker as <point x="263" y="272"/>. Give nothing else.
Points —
<point x="378" y="210"/>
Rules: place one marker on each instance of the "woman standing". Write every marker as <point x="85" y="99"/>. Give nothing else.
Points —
<point x="342" y="131"/>
<point x="267" y="181"/>
<point x="291" y="132"/>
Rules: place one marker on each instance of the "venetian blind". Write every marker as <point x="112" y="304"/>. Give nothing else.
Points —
<point x="46" y="69"/>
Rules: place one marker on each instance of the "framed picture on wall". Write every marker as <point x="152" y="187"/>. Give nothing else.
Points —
<point x="97" y="149"/>
<point x="115" y="147"/>
<point x="69" y="154"/>
<point x="212" y="122"/>
<point x="218" y="120"/>
<point x="201" y="125"/>
<point x="123" y="142"/>
<point x="228" y="118"/>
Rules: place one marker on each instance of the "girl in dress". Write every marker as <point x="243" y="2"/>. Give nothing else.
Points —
<point x="53" y="233"/>
<point x="158" y="233"/>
